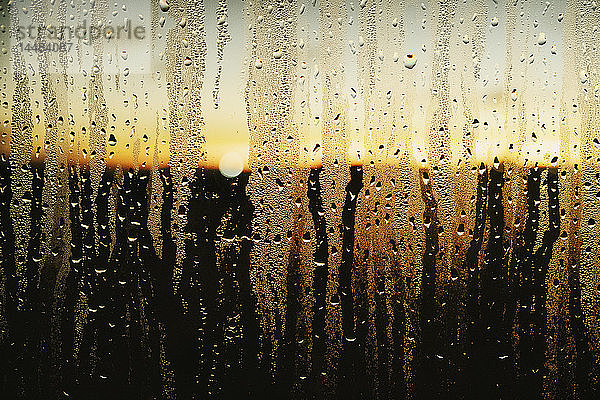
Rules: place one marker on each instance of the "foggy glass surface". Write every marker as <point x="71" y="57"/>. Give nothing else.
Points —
<point x="302" y="199"/>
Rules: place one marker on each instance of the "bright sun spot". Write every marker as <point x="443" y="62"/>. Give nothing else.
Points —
<point x="231" y="164"/>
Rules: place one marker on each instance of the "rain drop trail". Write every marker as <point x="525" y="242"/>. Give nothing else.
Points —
<point x="254" y="373"/>
<point x="151" y="363"/>
<point x="398" y="382"/>
<point x="531" y="376"/>
<point x="321" y="273"/>
<point x="542" y="259"/>
<point x="124" y="292"/>
<point x="471" y="264"/>
<point x="113" y="282"/>
<point x="110" y="374"/>
<point x="431" y="361"/>
<point x="349" y="356"/>
<point x="294" y="298"/>
<point x="495" y="350"/>
<point x="381" y="323"/>
<point x="88" y="255"/>
<point x="585" y="364"/>
<point x="238" y="361"/>
<point x="30" y="315"/>
<point x="179" y="334"/>
<point x="227" y="369"/>
<point x="96" y="256"/>
<point x="8" y="268"/>
<point x="72" y="282"/>
<point x="200" y="277"/>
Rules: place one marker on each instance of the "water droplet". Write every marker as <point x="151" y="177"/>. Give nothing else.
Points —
<point x="541" y="39"/>
<point x="164" y="5"/>
<point x="410" y="61"/>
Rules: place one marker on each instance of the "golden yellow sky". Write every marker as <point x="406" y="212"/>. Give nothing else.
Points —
<point x="136" y="75"/>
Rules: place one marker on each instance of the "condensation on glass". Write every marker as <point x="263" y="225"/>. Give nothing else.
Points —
<point x="299" y="199"/>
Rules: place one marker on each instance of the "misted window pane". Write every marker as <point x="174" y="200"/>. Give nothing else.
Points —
<point x="299" y="199"/>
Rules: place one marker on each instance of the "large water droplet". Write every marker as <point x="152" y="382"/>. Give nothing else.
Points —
<point x="541" y="39"/>
<point x="164" y="5"/>
<point x="410" y="61"/>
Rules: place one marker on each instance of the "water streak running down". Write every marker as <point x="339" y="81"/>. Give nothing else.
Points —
<point x="299" y="199"/>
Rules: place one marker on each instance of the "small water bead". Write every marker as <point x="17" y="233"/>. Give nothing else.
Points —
<point x="306" y="237"/>
<point x="454" y="274"/>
